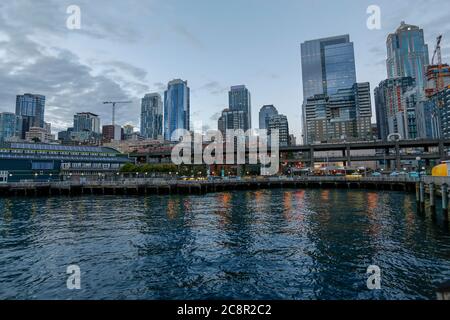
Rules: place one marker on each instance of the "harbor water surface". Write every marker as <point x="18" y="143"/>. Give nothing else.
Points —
<point x="268" y="244"/>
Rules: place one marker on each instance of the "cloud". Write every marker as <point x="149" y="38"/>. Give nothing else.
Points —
<point x="188" y="36"/>
<point x="214" y="87"/>
<point x="70" y="86"/>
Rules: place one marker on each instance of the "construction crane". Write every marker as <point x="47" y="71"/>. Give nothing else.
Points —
<point x="437" y="52"/>
<point x="113" y="103"/>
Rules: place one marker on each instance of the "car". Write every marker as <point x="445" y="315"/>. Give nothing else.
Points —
<point x="376" y="174"/>
<point x="394" y="174"/>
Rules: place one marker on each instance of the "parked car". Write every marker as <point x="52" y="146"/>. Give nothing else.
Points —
<point x="394" y="174"/>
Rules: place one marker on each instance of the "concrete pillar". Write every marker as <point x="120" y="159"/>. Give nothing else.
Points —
<point x="398" y="163"/>
<point x="311" y="157"/>
<point x="444" y="189"/>
<point x="349" y="158"/>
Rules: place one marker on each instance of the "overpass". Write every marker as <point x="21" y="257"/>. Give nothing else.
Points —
<point x="391" y="151"/>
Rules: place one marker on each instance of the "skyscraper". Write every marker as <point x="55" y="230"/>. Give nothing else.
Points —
<point x="279" y="122"/>
<point x="31" y="107"/>
<point x="176" y="108"/>
<point x="10" y="125"/>
<point x="345" y="115"/>
<point x="152" y="116"/>
<point x="86" y="121"/>
<point x="232" y="120"/>
<point x="328" y="65"/>
<point x="395" y="107"/>
<point x="239" y="99"/>
<point x="265" y="113"/>
<point x="407" y="54"/>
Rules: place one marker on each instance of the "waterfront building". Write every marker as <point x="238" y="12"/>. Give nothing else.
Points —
<point x="44" y="162"/>
<point x="86" y="121"/>
<point x="239" y="99"/>
<point x="176" y="108"/>
<point x="279" y="122"/>
<point x="10" y="126"/>
<point x="31" y="107"/>
<point x="343" y="116"/>
<point x="152" y="116"/>
<point x="407" y="55"/>
<point x="396" y="106"/>
<point x="265" y="113"/>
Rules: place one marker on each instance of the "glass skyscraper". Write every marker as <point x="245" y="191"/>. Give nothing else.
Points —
<point x="31" y="108"/>
<point x="265" y="113"/>
<point x="239" y="99"/>
<point x="407" y="54"/>
<point x="10" y="125"/>
<point x="152" y="116"/>
<point x="328" y="65"/>
<point x="86" y="121"/>
<point x="176" y="108"/>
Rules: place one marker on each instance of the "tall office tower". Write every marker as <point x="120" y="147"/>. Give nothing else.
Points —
<point x="265" y="113"/>
<point x="232" y="120"/>
<point x="328" y="65"/>
<point x="152" y="116"/>
<point x="407" y="55"/>
<point x="31" y="107"/>
<point x="279" y="122"/>
<point x="86" y="121"/>
<point x="239" y="99"/>
<point x="10" y="126"/>
<point x="176" y="108"/>
<point x="395" y="104"/>
<point x="345" y="115"/>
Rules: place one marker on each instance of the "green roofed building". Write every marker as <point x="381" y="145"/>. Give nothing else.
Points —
<point x="48" y="162"/>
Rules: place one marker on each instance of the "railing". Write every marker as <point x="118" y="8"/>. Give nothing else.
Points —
<point x="135" y="182"/>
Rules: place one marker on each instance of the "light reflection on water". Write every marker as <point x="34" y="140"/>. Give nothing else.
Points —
<point x="266" y="244"/>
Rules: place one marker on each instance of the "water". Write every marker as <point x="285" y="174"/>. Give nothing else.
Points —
<point x="270" y="244"/>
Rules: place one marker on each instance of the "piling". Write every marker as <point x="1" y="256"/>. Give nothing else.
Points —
<point x="422" y="196"/>
<point x="445" y="200"/>
<point x="432" y="198"/>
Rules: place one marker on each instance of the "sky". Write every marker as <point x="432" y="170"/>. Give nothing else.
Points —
<point x="125" y="49"/>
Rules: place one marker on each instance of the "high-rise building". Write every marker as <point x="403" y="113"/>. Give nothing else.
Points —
<point x="279" y="122"/>
<point x="152" y="116"/>
<point x="112" y="133"/>
<point x="395" y="104"/>
<point x="232" y="120"/>
<point x="345" y="115"/>
<point x="10" y="125"/>
<point x="31" y="107"/>
<point x="328" y="65"/>
<point x="407" y="55"/>
<point x="86" y="121"/>
<point x="265" y="113"/>
<point x="239" y="99"/>
<point x="176" y="108"/>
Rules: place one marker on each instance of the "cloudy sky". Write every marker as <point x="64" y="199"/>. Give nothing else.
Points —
<point x="125" y="49"/>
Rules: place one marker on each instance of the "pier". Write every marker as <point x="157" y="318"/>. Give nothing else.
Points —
<point x="426" y="188"/>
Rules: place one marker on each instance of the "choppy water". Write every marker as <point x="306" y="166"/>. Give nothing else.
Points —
<point x="270" y="244"/>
